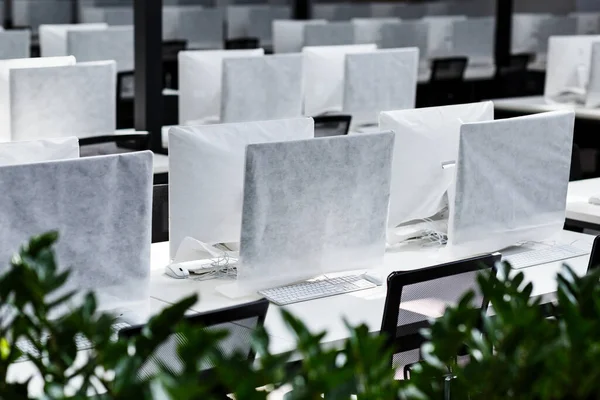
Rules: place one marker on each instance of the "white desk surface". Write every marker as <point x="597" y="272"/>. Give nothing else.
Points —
<point x="578" y="208"/>
<point x="358" y="307"/>
<point x="538" y="104"/>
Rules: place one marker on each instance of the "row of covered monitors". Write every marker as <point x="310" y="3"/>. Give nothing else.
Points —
<point x="57" y="96"/>
<point x="204" y="28"/>
<point x="295" y="206"/>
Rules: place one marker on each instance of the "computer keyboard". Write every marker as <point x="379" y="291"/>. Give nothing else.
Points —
<point x="316" y="288"/>
<point x="542" y="256"/>
<point x="82" y="343"/>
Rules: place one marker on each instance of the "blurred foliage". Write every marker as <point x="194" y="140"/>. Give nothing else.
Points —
<point x="514" y="352"/>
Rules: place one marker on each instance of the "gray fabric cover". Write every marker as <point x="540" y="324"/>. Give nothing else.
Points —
<point x="14" y="44"/>
<point x="331" y="34"/>
<point x="262" y="88"/>
<point x="115" y="43"/>
<point x="101" y="207"/>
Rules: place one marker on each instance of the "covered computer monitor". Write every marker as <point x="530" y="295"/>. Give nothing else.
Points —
<point x="555" y="26"/>
<point x="593" y="89"/>
<point x="202" y="28"/>
<point x="368" y="30"/>
<point x="426" y="148"/>
<point x="101" y="207"/>
<point x="288" y="35"/>
<point x="35" y="151"/>
<point x="439" y="41"/>
<point x="511" y="182"/>
<point x="474" y="38"/>
<point x="406" y="34"/>
<point x="206" y="175"/>
<point x="329" y="34"/>
<point x="113" y="43"/>
<point x="324" y="76"/>
<point x="255" y="20"/>
<point x="73" y="100"/>
<point x="525" y="32"/>
<point x="299" y="222"/>
<point x="380" y="81"/>
<point x="53" y="38"/>
<point x="14" y="44"/>
<point x="262" y="88"/>
<point x="568" y="67"/>
<point x="200" y="83"/>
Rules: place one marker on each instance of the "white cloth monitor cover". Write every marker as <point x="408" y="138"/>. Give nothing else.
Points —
<point x="439" y="42"/>
<point x="53" y="38"/>
<point x="262" y="88"/>
<point x="200" y="83"/>
<point x="511" y="182"/>
<point x="568" y="65"/>
<point x="330" y="34"/>
<point x="118" y="15"/>
<point x="254" y="21"/>
<point x="368" y="30"/>
<point x="5" y="103"/>
<point x="341" y="11"/>
<point x="587" y="23"/>
<point x="380" y="81"/>
<point x="474" y="38"/>
<point x="288" y="35"/>
<point x="77" y="100"/>
<point x="14" y="44"/>
<point x="308" y="211"/>
<point x="201" y="27"/>
<point x="386" y="10"/>
<point x="206" y="176"/>
<point x="593" y="89"/>
<point x="34" y="13"/>
<point x="101" y="207"/>
<point x="405" y="34"/>
<point x="426" y="138"/>
<point x="15" y="153"/>
<point x="114" y="43"/>
<point x="525" y="32"/>
<point x="324" y="76"/>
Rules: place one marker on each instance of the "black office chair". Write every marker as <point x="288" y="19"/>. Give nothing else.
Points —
<point x="113" y="144"/>
<point x="160" y="213"/>
<point x="595" y="255"/>
<point x="447" y="84"/>
<point x="170" y="50"/>
<point x="428" y="290"/>
<point x="242" y="43"/>
<point x="576" y="172"/>
<point x="332" y="125"/>
<point x="240" y="321"/>
<point x="125" y="99"/>
<point x="511" y="79"/>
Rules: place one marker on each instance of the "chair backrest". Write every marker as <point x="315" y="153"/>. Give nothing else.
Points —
<point x="595" y="256"/>
<point x="242" y="43"/>
<point x="170" y="49"/>
<point x="160" y="213"/>
<point x="448" y="69"/>
<point x="517" y="63"/>
<point x="414" y="297"/>
<point x="239" y="321"/>
<point x="332" y="125"/>
<point x="125" y="85"/>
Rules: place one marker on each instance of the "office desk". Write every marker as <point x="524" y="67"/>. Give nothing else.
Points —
<point x="358" y="307"/>
<point x="580" y="213"/>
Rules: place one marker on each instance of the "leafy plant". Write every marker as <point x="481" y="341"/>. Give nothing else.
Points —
<point x="518" y="352"/>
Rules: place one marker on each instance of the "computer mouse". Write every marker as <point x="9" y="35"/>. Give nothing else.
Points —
<point x="176" y="271"/>
<point x="373" y="277"/>
<point x="127" y="315"/>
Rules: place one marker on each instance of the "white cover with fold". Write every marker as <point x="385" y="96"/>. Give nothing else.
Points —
<point x="200" y="83"/>
<point x="14" y="44"/>
<point x="425" y="138"/>
<point x="329" y="34"/>
<point x="380" y="81"/>
<point x="324" y="76"/>
<point x="368" y="30"/>
<point x="262" y="88"/>
<point x="77" y="100"/>
<point x="405" y="34"/>
<point x="53" y="38"/>
<point x="35" y="151"/>
<point x="569" y="65"/>
<point x="114" y="43"/>
<point x="288" y="35"/>
<point x="308" y="211"/>
<point x="512" y="177"/>
<point x="101" y="207"/>
<point x="206" y="175"/>
<point x="5" y="100"/>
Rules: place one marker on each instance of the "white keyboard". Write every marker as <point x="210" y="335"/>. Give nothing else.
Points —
<point x="542" y="256"/>
<point x="316" y="289"/>
<point x="81" y="342"/>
